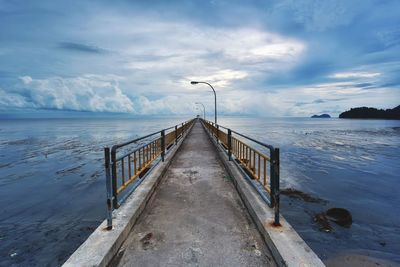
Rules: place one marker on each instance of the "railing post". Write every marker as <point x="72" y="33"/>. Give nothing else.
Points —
<point x="183" y="130"/>
<point x="229" y="144"/>
<point x="162" y="145"/>
<point x="176" y="134"/>
<point x="114" y="177"/>
<point x="271" y="176"/>
<point x="275" y="193"/>
<point x="217" y="134"/>
<point x="108" y="187"/>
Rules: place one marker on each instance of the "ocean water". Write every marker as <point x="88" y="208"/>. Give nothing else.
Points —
<point x="351" y="164"/>
<point x="52" y="185"/>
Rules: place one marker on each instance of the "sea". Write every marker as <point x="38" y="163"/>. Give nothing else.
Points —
<point x="53" y="195"/>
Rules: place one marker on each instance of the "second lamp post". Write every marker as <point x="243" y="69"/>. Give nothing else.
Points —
<point x="215" y="98"/>
<point x="204" y="109"/>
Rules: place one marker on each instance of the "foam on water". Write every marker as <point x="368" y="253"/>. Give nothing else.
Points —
<point x="338" y="157"/>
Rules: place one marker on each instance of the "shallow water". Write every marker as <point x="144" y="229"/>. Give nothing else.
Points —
<point x="52" y="182"/>
<point x="352" y="164"/>
<point x="52" y="185"/>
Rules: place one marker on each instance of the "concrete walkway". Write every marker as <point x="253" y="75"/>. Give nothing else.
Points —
<point x="195" y="218"/>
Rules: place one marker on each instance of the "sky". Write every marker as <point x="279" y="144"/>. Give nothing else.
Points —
<point x="264" y="58"/>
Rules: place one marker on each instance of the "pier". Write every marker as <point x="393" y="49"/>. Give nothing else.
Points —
<point x="195" y="194"/>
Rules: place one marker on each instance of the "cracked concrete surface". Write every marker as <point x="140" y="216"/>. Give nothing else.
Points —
<point x="195" y="218"/>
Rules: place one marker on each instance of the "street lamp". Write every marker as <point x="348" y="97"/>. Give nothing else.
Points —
<point x="204" y="109"/>
<point x="215" y="97"/>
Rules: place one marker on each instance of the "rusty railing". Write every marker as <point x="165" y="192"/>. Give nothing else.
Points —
<point x="262" y="170"/>
<point x="127" y="164"/>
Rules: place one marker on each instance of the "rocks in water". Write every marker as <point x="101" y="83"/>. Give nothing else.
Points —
<point x="321" y="116"/>
<point x="323" y="222"/>
<point x="294" y="193"/>
<point x="339" y="216"/>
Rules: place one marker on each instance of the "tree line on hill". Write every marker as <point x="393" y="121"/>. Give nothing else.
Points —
<point x="371" y="113"/>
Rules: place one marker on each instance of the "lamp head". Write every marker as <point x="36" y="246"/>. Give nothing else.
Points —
<point x="194" y="82"/>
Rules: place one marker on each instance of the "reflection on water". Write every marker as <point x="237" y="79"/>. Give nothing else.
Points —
<point x="352" y="164"/>
<point x="52" y="184"/>
<point x="52" y="187"/>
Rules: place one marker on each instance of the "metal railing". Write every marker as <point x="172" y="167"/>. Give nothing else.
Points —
<point x="125" y="172"/>
<point x="262" y="170"/>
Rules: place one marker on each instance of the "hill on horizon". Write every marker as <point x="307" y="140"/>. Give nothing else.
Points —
<point x="371" y="113"/>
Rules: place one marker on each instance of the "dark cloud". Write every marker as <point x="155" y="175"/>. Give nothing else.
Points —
<point x="318" y="101"/>
<point x="77" y="47"/>
<point x="363" y="85"/>
<point x="308" y="72"/>
<point x="148" y="57"/>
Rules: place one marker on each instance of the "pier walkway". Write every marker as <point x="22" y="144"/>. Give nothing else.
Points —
<point x="194" y="194"/>
<point x="195" y="217"/>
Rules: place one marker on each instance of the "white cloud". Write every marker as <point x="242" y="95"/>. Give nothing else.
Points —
<point x="154" y="37"/>
<point x="165" y="105"/>
<point x="246" y="51"/>
<point x="102" y="93"/>
<point x="10" y="99"/>
<point x="156" y="52"/>
<point x="83" y="93"/>
<point x="248" y="46"/>
<point x="355" y="74"/>
<point x="26" y="79"/>
<point x="159" y="58"/>
<point x="220" y="79"/>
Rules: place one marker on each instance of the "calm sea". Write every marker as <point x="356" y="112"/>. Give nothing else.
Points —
<point x="52" y="188"/>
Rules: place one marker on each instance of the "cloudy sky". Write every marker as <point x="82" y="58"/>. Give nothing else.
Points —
<point x="267" y="58"/>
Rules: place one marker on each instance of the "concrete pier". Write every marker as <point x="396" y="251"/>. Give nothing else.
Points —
<point x="197" y="208"/>
<point x="195" y="218"/>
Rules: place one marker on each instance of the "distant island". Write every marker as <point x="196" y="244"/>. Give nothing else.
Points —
<point x="371" y="113"/>
<point x="321" y="116"/>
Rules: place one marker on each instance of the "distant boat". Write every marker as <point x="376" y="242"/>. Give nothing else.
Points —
<point x="321" y="116"/>
<point x="371" y="113"/>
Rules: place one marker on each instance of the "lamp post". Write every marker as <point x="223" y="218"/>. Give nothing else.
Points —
<point x="204" y="109"/>
<point x="215" y="98"/>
